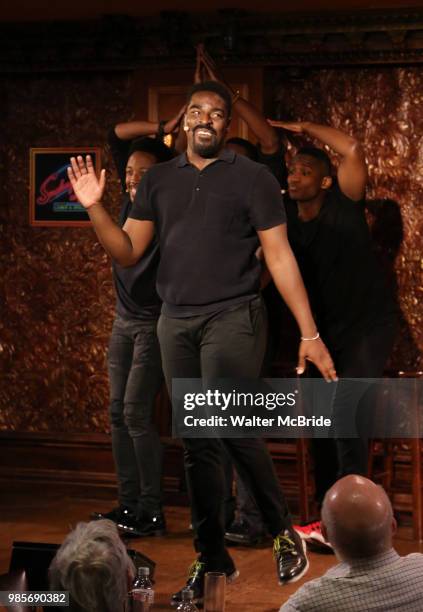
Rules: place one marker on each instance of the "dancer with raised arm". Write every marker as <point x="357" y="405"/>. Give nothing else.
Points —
<point x="353" y="305"/>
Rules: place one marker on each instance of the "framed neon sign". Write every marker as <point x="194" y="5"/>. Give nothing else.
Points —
<point x="52" y="200"/>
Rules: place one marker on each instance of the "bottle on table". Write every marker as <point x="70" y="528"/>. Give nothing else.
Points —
<point x="187" y="604"/>
<point x="142" y="592"/>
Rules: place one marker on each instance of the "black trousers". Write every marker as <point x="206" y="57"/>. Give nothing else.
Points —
<point x="365" y="357"/>
<point x="226" y="344"/>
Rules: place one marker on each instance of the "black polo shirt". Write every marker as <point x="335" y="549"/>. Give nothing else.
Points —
<point x="345" y="284"/>
<point x="207" y="223"/>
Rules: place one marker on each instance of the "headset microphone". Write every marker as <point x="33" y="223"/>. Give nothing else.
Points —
<point x="186" y="128"/>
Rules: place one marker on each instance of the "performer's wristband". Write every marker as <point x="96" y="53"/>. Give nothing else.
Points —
<point x="315" y="337"/>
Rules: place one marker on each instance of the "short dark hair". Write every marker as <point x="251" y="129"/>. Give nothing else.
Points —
<point x="250" y="149"/>
<point x="153" y="146"/>
<point x="214" y="87"/>
<point x="318" y="154"/>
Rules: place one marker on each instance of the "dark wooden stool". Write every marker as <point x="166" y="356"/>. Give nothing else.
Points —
<point x="293" y="464"/>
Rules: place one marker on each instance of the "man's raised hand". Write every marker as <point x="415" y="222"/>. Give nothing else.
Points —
<point x="173" y="124"/>
<point x="87" y="187"/>
<point x="212" y="69"/>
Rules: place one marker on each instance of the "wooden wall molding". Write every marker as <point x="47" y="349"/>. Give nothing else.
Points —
<point x="77" y="464"/>
<point x="81" y="465"/>
<point x="234" y="37"/>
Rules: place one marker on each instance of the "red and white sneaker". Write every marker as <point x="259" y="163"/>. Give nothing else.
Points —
<point x="312" y="534"/>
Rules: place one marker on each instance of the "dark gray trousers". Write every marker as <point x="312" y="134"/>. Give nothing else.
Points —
<point x="135" y="376"/>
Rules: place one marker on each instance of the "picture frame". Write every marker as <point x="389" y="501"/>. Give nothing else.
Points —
<point x="52" y="202"/>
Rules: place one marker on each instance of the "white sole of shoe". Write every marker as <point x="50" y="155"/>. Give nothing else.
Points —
<point x="232" y="577"/>
<point x="321" y="545"/>
<point x="303" y="536"/>
<point x="318" y="537"/>
<point x="314" y="537"/>
<point x="304" y="571"/>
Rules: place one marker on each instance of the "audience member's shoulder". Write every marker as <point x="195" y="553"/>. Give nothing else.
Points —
<point x="413" y="559"/>
<point x="307" y="596"/>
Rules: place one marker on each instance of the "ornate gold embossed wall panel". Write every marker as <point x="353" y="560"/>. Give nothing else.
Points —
<point x="56" y="291"/>
<point x="383" y="107"/>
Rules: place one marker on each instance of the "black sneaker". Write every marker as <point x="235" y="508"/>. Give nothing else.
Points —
<point x="145" y="525"/>
<point x="195" y="581"/>
<point x="241" y="532"/>
<point x="290" y="555"/>
<point x="119" y="515"/>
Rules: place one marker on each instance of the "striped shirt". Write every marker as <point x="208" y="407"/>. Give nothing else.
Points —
<point x="384" y="583"/>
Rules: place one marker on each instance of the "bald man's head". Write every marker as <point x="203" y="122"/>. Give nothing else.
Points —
<point x="357" y="518"/>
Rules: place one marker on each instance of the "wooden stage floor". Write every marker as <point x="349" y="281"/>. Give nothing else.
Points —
<point x="40" y="516"/>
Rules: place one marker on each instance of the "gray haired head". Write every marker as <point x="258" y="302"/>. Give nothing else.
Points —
<point x="94" y="566"/>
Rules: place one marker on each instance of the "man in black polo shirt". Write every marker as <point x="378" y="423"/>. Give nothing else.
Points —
<point x="211" y="208"/>
<point x="354" y="308"/>
<point x="246" y="527"/>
